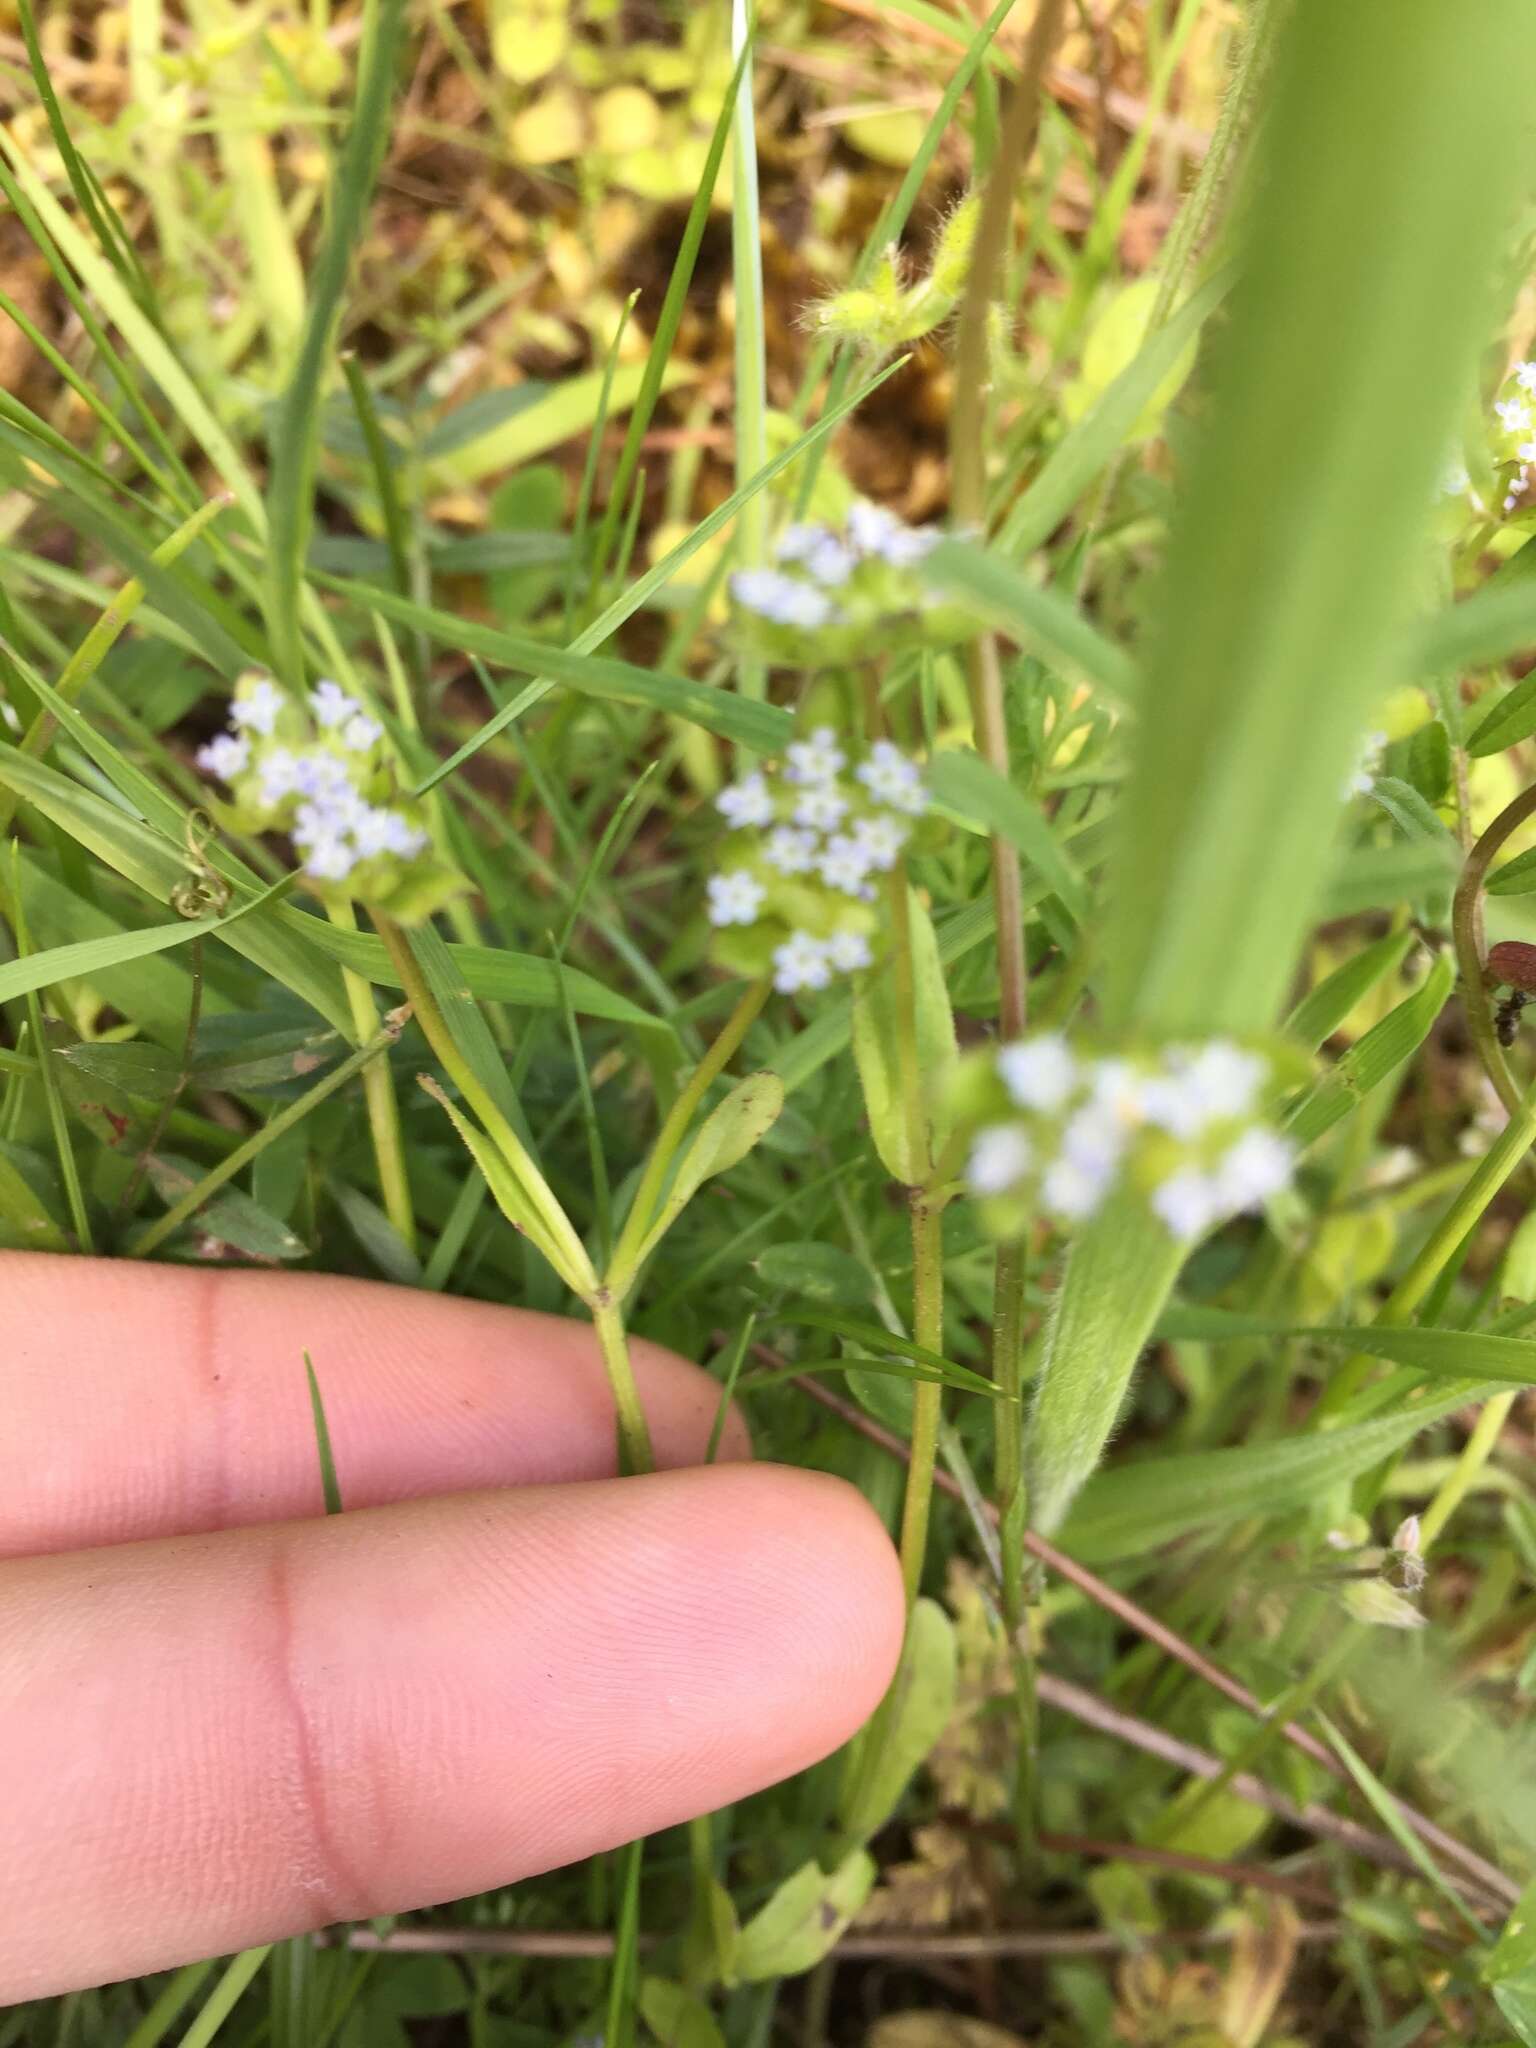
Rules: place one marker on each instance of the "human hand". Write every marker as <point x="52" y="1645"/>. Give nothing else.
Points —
<point x="238" y="1723"/>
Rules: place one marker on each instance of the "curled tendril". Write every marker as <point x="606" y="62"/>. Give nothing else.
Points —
<point x="202" y="891"/>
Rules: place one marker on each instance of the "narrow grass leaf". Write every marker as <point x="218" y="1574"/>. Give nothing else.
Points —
<point x="659" y="575"/>
<point x="1380" y="1052"/>
<point x="973" y="791"/>
<point x="1124" y="1512"/>
<point x="329" y="1488"/>
<point x="296" y="431"/>
<point x="1041" y="620"/>
<point x="1320" y="1013"/>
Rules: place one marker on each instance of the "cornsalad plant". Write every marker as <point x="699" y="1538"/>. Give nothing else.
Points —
<point x="1111" y="890"/>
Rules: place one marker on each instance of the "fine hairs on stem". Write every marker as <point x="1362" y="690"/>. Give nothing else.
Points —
<point x="968" y="505"/>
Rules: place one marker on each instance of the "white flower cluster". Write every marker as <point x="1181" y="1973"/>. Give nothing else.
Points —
<point x="314" y="776"/>
<point x="811" y="838"/>
<point x="1184" y="1126"/>
<point x="1515" y="434"/>
<point x="822" y="574"/>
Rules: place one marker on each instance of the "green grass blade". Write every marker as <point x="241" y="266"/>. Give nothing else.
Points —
<point x="58" y="1122"/>
<point x="87" y="958"/>
<point x="759" y="726"/>
<point x="295" y="435"/>
<point x="329" y="1487"/>
<point x="1087" y="449"/>
<point x="109" y="231"/>
<point x="157" y="865"/>
<point x="969" y="787"/>
<point x="1378" y="1053"/>
<point x="668" y="319"/>
<point x="1041" y="620"/>
<point x="1123" y="1513"/>
<point x="1320" y="1013"/>
<point x="226" y="1996"/>
<point x="381" y="461"/>
<point x="661" y="573"/>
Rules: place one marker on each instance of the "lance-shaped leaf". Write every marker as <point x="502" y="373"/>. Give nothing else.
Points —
<point x="726" y="1136"/>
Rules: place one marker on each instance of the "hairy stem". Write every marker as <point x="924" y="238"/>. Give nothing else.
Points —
<point x="927" y="1330"/>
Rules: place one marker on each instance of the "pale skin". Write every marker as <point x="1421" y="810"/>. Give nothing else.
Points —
<point x="226" y="1719"/>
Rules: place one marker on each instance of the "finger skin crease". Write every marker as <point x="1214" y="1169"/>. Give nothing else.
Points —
<point x="326" y="1885"/>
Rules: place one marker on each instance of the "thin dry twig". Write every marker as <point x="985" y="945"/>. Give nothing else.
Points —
<point x="1480" y="1875"/>
<point x="908" y="1947"/>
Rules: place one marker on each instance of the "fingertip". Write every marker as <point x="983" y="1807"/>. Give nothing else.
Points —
<point x="838" y="1612"/>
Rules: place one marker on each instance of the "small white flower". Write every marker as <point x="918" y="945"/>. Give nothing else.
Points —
<point x="801" y="962"/>
<point x="881" y="839"/>
<point x="257" y="709"/>
<point x="1094" y="1142"/>
<point x="735" y="897"/>
<point x="331" y="704"/>
<point x="1406" y="1537"/>
<point x="1072" y="1191"/>
<point x="227" y="756"/>
<point x="1000" y="1158"/>
<point x="380" y="830"/>
<point x="1514" y="415"/>
<point x="361" y="732"/>
<point x="844" y="865"/>
<point x="1227" y="1078"/>
<point x="325" y="779"/>
<point x="790" y="850"/>
<point x="1259" y="1165"/>
<point x="1455" y="480"/>
<point x="1525" y="376"/>
<point x="1363" y="775"/>
<point x="1218" y="1081"/>
<point x="782" y="599"/>
<point x="875" y="531"/>
<point x="799" y="543"/>
<point x="1120" y="1091"/>
<point x="830" y="561"/>
<point x="278" y="773"/>
<point x="848" y="952"/>
<point x="821" y="808"/>
<point x="892" y="779"/>
<point x="1039" y="1073"/>
<point x="1188" y="1202"/>
<point x="329" y="860"/>
<point x="816" y="760"/>
<point x="747" y="802"/>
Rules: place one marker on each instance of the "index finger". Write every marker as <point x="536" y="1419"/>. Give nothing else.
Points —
<point x="146" y="1401"/>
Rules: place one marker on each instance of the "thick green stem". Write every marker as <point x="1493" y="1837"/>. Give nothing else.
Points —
<point x="675" y="1125"/>
<point x="634" y="1434"/>
<point x="927" y="1330"/>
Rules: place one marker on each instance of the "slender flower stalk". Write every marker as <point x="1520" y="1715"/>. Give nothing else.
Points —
<point x="968" y="506"/>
